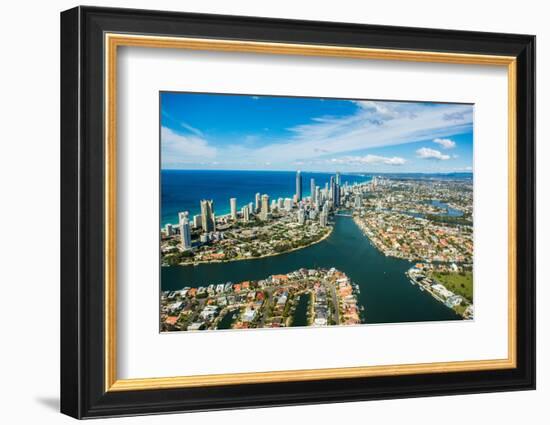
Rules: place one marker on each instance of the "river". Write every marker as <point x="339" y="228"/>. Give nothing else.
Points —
<point x="385" y="291"/>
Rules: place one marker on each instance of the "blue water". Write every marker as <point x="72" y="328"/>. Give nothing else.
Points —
<point x="451" y="212"/>
<point x="385" y="290"/>
<point x="182" y="190"/>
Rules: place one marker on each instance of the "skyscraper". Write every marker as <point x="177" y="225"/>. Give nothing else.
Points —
<point x="312" y="190"/>
<point x="357" y="201"/>
<point x="335" y="190"/>
<point x="258" y="203"/>
<point x="264" y="214"/>
<point x="317" y="196"/>
<point x="207" y="216"/>
<point x="299" y="185"/>
<point x="245" y="213"/>
<point x="233" y="206"/>
<point x="197" y="221"/>
<point x="301" y="216"/>
<point x="288" y="204"/>
<point x="182" y="215"/>
<point x="168" y="230"/>
<point x="338" y="182"/>
<point x="323" y="218"/>
<point x="185" y="233"/>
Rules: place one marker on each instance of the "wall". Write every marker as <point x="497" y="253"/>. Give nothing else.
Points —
<point x="29" y="228"/>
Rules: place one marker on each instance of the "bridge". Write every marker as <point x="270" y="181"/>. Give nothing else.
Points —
<point x="343" y="214"/>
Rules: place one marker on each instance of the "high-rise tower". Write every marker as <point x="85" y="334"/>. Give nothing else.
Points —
<point x="207" y="216"/>
<point x="299" y="185"/>
<point x="233" y="207"/>
<point x="264" y="213"/>
<point x="185" y="233"/>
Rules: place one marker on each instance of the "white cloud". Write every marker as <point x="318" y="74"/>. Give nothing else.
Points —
<point x="427" y="153"/>
<point x="370" y="159"/>
<point x="370" y="124"/>
<point x="373" y="124"/>
<point x="180" y="149"/>
<point x="445" y="143"/>
<point x="191" y="128"/>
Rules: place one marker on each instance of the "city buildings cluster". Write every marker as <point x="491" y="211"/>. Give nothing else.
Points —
<point x="260" y="228"/>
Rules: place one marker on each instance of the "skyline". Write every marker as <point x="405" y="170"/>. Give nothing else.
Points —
<point x="243" y="132"/>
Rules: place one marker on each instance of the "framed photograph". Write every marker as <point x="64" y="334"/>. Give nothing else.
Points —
<point x="261" y="212"/>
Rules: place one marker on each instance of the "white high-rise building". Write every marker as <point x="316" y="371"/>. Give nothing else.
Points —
<point x="301" y="216"/>
<point x="182" y="215"/>
<point x="245" y="213"/>
<point x="288" y="204"/>
<point x="233" y="207"/>
<point x="197" y="222"/>
<point x="185" y="233"/>
<point x="323" y="218"/>
<point x="264" y="213"/>
<point x="357" y="201"/>
<point x="312" y="190"/>
<point x="208" y="220"/>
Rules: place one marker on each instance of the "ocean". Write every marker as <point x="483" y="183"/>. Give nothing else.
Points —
<point x="182" y="190"/>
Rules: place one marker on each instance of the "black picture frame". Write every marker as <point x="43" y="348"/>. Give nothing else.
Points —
<point x="83" y="392"/>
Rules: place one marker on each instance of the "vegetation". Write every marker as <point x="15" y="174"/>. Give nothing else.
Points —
<point x="459" y="283"/>
<point x="457" y="221"/>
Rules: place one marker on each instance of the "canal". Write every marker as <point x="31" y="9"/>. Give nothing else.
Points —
<point x="300" y="315"/>
<point x="385" y="291"/>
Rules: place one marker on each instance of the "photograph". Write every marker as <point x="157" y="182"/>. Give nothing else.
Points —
<point x="280" y="212"/>
<point x="353" y="202"/>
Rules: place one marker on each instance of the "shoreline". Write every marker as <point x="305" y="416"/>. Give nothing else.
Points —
<point x="410" y="259"/>
<point x="198" y="263"/>
<point x="430" y="291"/>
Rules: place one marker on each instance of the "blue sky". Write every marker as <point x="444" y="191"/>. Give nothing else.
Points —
<point x="242" y="132"/>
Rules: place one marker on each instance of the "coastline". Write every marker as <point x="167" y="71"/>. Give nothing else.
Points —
<point x="274" y="254"/>
<point x="358" y="224"/>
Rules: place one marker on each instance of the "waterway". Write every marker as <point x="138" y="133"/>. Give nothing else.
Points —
<point x="228" y="319"/>
<point x="300" y="315"/>
<point x="385" y="291"/>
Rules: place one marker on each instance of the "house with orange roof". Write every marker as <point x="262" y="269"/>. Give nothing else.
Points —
<point x="280" y="278"/>
<point x="171" y="320"/>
